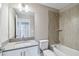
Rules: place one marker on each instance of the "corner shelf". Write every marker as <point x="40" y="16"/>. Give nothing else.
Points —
<point x="59" y="30"/>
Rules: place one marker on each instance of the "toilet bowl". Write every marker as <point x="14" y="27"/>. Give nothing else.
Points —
<point x="48" y="53"/>
<point x="44" y="48"/>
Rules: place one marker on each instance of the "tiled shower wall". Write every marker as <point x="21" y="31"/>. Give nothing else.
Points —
<point x="69" y="24"/>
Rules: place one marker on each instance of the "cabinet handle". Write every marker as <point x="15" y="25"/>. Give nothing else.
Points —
<point x="2" y="54"/>
<point x="24" y="53"/>
<point x="21" y="53"/>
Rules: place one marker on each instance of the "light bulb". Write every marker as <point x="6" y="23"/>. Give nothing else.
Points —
<point x="20" y="7"/>
<point x="26" y="8"/>
<point x="23" y="8"/>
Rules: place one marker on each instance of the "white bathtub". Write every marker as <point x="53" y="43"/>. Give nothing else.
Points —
<point x="62" y="50"/>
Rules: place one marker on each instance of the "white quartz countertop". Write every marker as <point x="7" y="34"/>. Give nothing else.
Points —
<point x="15" y="45"/>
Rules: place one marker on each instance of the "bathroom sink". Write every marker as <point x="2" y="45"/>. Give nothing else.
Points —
<point x="25" y="43"/>
<point x="20" y="42"/>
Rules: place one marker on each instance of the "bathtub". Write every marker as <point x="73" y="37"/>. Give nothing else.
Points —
<point x="61" y="50"/>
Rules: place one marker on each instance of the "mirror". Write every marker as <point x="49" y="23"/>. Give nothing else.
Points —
<point x="24" y="24"/>
<point x="21" y="24"/>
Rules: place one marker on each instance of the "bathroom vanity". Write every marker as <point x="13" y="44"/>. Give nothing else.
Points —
<point x="31" y="51"/>
<point x="21" y="29"/>
<point x="23" y="48"/>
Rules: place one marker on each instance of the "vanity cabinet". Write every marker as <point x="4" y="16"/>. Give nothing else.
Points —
<point x="30" y="51"/>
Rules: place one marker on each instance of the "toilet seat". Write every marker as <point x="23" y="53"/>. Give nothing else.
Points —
<point x="48" y="53"/>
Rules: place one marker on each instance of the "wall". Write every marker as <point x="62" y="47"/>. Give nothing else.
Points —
<point x="69" y="24"/>
<point x="11" y="23"/>
<point x="41" y="19"/>
<point x="4" y="23"/>
<point x="53" y="34"/>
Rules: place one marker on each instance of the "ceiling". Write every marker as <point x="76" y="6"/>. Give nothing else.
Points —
<point x="57" y="5"/>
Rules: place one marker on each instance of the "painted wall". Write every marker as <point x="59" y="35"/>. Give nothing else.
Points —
<point x="11" y="23"/>
<point x="69" y="24"/>
<point x="4" y="23"/>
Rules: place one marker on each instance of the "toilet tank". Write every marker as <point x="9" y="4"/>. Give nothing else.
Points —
<point x="43" y="44"/>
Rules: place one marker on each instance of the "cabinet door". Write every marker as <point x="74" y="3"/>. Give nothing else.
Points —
<point x="12" y="53"/>
<point x="0" y="54"/>
<point x="32" y="51"/>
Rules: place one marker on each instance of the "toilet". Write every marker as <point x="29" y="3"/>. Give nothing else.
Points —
<point x="44" y="48"/>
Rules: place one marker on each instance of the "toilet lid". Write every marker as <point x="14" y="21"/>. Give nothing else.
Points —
<point x="48" y="53"/>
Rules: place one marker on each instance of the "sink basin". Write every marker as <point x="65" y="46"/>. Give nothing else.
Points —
<point x="20" y="42"/>
<point x="26" y="43"/>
